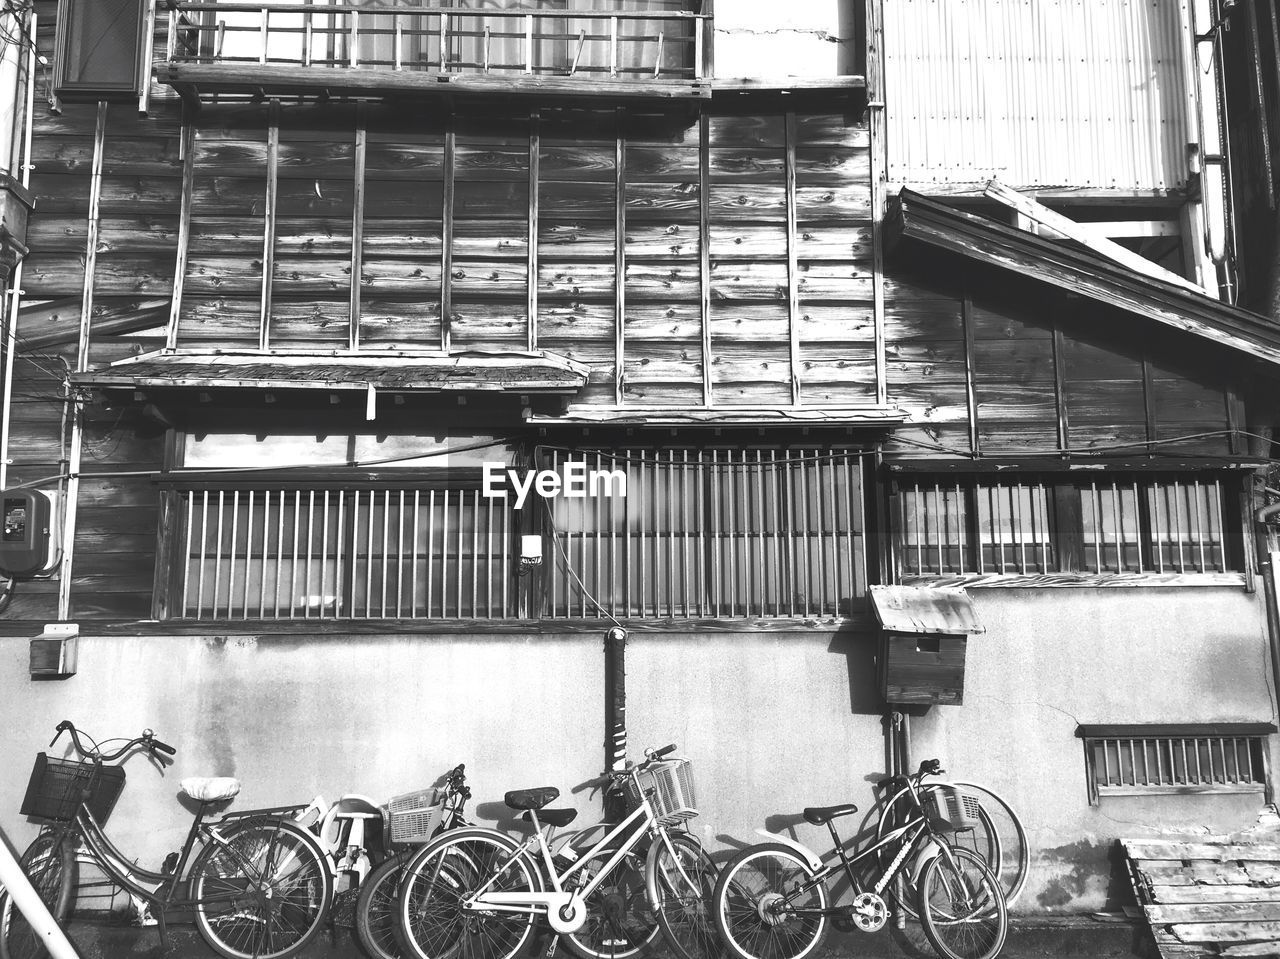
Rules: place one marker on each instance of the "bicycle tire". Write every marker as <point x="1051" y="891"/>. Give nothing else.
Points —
<point x="376" y="908"/>
<point x="756" y="879"/>
<point x="1000" y="840"/>
<point x="251" y="857"/>
<point x="431" y="921"/>
<point x="962" y="906"/>
<point x="680" y="894"/>
<point x="620" y="922"/>
<point x="50" y="864"/>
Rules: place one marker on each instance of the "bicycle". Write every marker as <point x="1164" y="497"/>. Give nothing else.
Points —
<point x="771" y="901"/>
<point x="259" y="885"/>
<point x="477" y="892"/>
<point x="998" y="836"/>
<point x="412" y="818"/>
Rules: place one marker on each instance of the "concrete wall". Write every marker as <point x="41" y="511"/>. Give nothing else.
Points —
<point x="772" y="721"/>
<point x="1053" y="659"/>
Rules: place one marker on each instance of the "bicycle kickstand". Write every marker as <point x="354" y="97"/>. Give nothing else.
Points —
<point x="551" y="948"/>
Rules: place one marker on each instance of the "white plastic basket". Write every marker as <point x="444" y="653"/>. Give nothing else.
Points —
<point x="669" y="785"/>
<point x="415" y="816"/>
<point x="952" y="808"/>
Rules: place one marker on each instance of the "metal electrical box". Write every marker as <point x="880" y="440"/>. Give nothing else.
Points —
<point x="29" y="537"/>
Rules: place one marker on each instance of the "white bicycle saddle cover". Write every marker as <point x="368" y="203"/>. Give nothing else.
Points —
<point x="210" y="788"/>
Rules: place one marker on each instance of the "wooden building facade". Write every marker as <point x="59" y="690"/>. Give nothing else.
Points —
<point x="274" y="332"/>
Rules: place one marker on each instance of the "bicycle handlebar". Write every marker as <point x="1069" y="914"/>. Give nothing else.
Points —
<point x="147" y="740"/>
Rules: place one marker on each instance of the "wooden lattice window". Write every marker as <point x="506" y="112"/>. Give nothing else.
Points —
<point x="1143" y="759"/>
<point x="1029" y="525"/>
<point x="711" y="533"/>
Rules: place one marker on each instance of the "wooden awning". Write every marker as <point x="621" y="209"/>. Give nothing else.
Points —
<point x="925" y="609"/>
<point x="913" y="216"/>
<point x="535" y="372"/>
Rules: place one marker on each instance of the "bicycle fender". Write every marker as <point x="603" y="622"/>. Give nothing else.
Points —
<point x="803" y="851"/>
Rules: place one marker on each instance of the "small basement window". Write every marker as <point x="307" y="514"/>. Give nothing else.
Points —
<point x="1145" y="759"/>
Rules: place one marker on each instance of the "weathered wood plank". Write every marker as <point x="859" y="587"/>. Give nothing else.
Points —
<point x="1211" y="852"/>
<point x="670" y="202"/>
<point x="576" y="201"/>
<point x="1226" y="931"/>
<point x="495" y="279"/>
<point x="575" y="280"/>
<point x="575" y="163"/>
<point x="419" y="163"/>
<point x="387" y="276"/>
<point x="661" y="240"/>
<point x="833" y="129"/>
<point x="747" y="131"/>
<point x="486" y="198"/>
<point x="663" y="282"/>
<point x="662" y="164"/>
<point x="328" y="161"/>
<point x="69" y="233"/>
<point x="1168" y="894"/>
<point x="747" y="165"/>
<point x="580" y="320"/>
<point x="1210" y="874"/>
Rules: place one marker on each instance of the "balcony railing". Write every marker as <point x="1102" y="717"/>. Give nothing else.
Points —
<point x="665" y="52"/>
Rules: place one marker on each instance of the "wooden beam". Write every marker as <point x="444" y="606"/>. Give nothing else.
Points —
<point x="269" y="226"/>
<point x="1260" y="91"/>
<point x="184" y="227"/>
<point x="112" y="321"/>
<point x="971" y="393"/>
<point x="793" y="262"/>
<point x="91" y="243"/>
<point x="1149" y="401"/>
<point x="1070" y="228"/>
<point x="1060" y="388"/>
<point x="878" y="156"/>
<point x="357" y="223"/>
<point x="704" y="251"/>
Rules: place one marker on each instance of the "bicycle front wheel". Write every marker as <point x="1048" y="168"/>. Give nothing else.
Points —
<point x="769" y="905"/>
<point x="961" y="906"/>
<point x="681" y="880"/>
<point x="620" y="924"/>
<point x="376" y="908"/>
<point x="434" y="921"/>
<point x="261" y="890"/>
<point x="50" y="864"/>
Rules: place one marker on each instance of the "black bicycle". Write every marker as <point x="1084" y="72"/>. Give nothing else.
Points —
<point x="258" y="884"/>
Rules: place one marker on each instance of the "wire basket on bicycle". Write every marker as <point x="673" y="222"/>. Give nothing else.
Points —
<point x="57" y="786"/>
<point x="951" y="809"/>
<point x="669" y="786"/>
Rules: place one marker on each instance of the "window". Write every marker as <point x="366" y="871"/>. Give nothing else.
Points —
<point x="1145" y="759"/>
<point x="708" y="533"/>
<point x="101" y="50"/>
<point x="1053" y="524"/>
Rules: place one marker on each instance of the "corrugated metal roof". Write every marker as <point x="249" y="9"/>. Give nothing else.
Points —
<point x="925" y="609"/>
<point x="1086" y="93"/>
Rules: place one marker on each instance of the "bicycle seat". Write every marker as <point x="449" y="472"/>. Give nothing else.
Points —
<point x="210" y="788"/>
<point x="552" y="817"/>
<point x="817" y="815"/>
<point x="531" y="798"/>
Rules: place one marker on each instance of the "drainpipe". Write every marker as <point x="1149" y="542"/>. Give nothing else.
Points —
<point x="1264" y="517"/>
<point x="615" y="710"/>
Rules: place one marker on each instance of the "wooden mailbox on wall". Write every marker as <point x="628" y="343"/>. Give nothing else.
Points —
<point x="922" y="649"/>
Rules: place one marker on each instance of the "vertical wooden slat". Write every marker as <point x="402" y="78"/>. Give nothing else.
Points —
<point x="232" y="553"/>
<point x="414" y="553"/>
<point x="462" y="499"/>
<point x="704" y="252"/>
<point x="800" y="474"/>
<point x="598" y="546"/>
<point x="531" y="266"/>
<point x="684" y="528"/>
<point x="310" y="555"/>
<point x="488" y="558"/>
<point x="646" y="493"/>
<point x="275" y="609"/>
<point x="1119" y="524"/>
<point x="475" y="551"/>
<point x="357" y="224"/>
<point x="446" y="230"/>
<point x="444" y="43"/>
<point x="669" y="537"/>
<point x="528" y="44"/>
<point x="91" y="242"/>
<point x="717" y="576"/>
<point x="431" y="551"/>
<point x="878" y="158"/>
<point x="1201" y="566"/>
<point x="1175" y="491"/>
<point x="505" y="513"/>
<point x="793" y="263"/>
<point x="1060" y="387"/>
<point x="613" y="46"/>
<point x="184" y="231"/>
<point x="784" y="570"/>
<point x="217" y="554"/>
<point x="1262" y="127"/>
<point x="293" y="566"/>
<point x="269" y="226"/>
<point x="762" y="517"/>
<point x="970" y="383"/>
<point x="619" y="259"/>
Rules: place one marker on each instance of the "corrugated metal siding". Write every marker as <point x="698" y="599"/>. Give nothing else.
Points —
<point x="1086" y="93"/>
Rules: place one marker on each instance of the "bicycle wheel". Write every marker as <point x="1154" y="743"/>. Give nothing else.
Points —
<point x="376" y="908"/>
<point x="50" y="864"/>
<point x="999" y="838"/>
<point x="432" y="921"/>
<point x="681" y="881"/>
<point x="768" y="905"/>
<point x="262" y="890"/>
<point x="961" y="906"/>
<point x="619" y="923"/>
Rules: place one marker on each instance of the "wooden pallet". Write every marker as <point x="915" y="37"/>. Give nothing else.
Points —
<point x="1208" y="898"/>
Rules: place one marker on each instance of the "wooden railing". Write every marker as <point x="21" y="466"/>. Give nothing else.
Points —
<point x="408" y="37"/>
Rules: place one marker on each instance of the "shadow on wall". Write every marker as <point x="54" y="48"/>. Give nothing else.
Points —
<point x="1070" y="870"/>
<point x="859" y="648"/>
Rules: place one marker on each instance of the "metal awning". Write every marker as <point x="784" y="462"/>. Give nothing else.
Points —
<point x="512" y="372"/>
<point x="925" y="609"/>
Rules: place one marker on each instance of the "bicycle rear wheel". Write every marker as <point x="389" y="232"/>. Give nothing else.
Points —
<point x="50" y="864"/>
<point x="262" y="890"/>
<point x="432" y="921"/>
<point x="962" y="906"/>
<point x="376" y="908"/>
<point x="620" y="924"/>
<point x="681" y="881"/>
<point x="765" y="907"/>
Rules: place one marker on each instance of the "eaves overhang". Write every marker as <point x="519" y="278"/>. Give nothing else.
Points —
<point x="916" y="217"/>
<point x="520" y="372"/>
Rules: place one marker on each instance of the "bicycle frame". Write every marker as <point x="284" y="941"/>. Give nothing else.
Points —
<point x="564" y="909"/>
